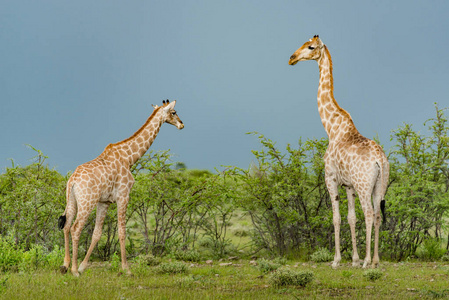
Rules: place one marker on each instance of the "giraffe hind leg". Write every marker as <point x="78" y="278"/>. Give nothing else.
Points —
<point x="102" y="209"/>
<point x="64" y="223"/>
<point x="379" y="205"/>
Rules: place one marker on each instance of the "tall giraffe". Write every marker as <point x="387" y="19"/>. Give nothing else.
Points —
<point x="107" y="179"/>
<point x="351" y="160"/>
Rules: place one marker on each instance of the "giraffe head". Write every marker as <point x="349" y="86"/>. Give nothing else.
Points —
<point x="169" y="114"/>
<point x="311" y="50"/>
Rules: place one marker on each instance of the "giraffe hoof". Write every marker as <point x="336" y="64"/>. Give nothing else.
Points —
<point x="356" y="264"/>
<point x="335" y="265"/>
<point x="82" y="267"/>
<point x="63" y="269"/>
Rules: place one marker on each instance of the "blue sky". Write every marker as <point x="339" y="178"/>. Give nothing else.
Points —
<point x="78" y="75"/>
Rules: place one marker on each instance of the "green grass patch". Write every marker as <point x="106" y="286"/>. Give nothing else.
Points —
<point x="241" y="280"/>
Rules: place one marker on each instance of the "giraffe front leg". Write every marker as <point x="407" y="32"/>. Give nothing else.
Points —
<point x="352" y="219"/>
<point x="332" y="187"/>
<point x="121" y="211"/>
<point x="337" y="222"/>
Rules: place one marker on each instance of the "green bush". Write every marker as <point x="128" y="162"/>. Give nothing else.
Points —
<point x="55" y="258"/>
<point x="431" y="250"/>
<point x="33" y="259"/>
<point x="286" y="276"/>
<point x="3" y="283"/>
<point x="445" y="257"/>
<point x="189" y="255"/>
<point x="175" y="267"/>
<point x="266" y="266"/>
<point x="31" y="200"/>
<point x="241" y="232"/>
<point x="373" y="274"/>
<point x="142" y="263"/>
<point x="10" y="254"/>
<point x="150" y="260"/>
<point x="205" y="243"/>
<point x="115" y="262"/>
<point x="322" y="255"/>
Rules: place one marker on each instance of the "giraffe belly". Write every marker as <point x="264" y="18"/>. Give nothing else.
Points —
<point x="108" y="196"/>
<point x="335" y="169"/>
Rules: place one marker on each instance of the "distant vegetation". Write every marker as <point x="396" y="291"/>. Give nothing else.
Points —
<point x="278" y="207"/>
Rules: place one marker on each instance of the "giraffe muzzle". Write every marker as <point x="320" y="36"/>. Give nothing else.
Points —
<point x="293" y="60"/>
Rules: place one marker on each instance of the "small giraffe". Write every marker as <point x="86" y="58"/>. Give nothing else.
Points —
<point x="105" y="180"/>
<point x="351" y="160"/>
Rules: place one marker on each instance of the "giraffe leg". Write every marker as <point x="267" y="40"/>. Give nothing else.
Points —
<point x="369" y="215"/>
<point x="102" y="209"/>
<point x="337" y="223"/>
<point x="332" y="187"/>
<point x="76" y="229"/>
<point x="70" y="215"/>
<point x="352" y="219"/>
<point x="377" y="197"/>
<point x="121" y="216"/>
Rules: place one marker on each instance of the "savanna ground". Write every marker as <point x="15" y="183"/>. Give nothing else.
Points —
<point x="241" y="280"/>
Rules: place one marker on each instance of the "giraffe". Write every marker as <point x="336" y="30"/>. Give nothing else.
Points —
<point x="107" y="179"/>
<point x="351" y="160"/>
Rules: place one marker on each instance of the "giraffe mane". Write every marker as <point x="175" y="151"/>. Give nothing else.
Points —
<point x="340" y="109"/>
<point x="108" y="147"/>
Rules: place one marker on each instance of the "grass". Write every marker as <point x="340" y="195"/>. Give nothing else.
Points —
<point x="238" y="281"/>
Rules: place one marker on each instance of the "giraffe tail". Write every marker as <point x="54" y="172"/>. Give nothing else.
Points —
<point x="382" y="209"/>
<point x="61" y="221"/>
<point x="384" y="176"/>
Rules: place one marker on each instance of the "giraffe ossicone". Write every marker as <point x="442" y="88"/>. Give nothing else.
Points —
<point x="107" y="179"/>
<point x="351" y="160"/>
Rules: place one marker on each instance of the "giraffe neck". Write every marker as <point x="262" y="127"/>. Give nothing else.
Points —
<point x="134" y="147"/>
<point x="336" y="121"/>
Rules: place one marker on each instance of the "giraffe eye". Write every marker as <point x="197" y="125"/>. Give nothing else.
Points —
<point x="173" y="113"/>
<point x="311" y="48"/>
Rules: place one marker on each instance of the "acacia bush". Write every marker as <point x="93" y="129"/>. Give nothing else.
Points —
<point x="417" y="201"/>
<point x="175" y="207"/>
<point x="31" y="200"/>
<point x="286" y="197"/>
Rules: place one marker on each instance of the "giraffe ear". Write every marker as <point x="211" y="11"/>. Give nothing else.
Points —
<point x="154" y="106"/>
<point x="170" y="105"/>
